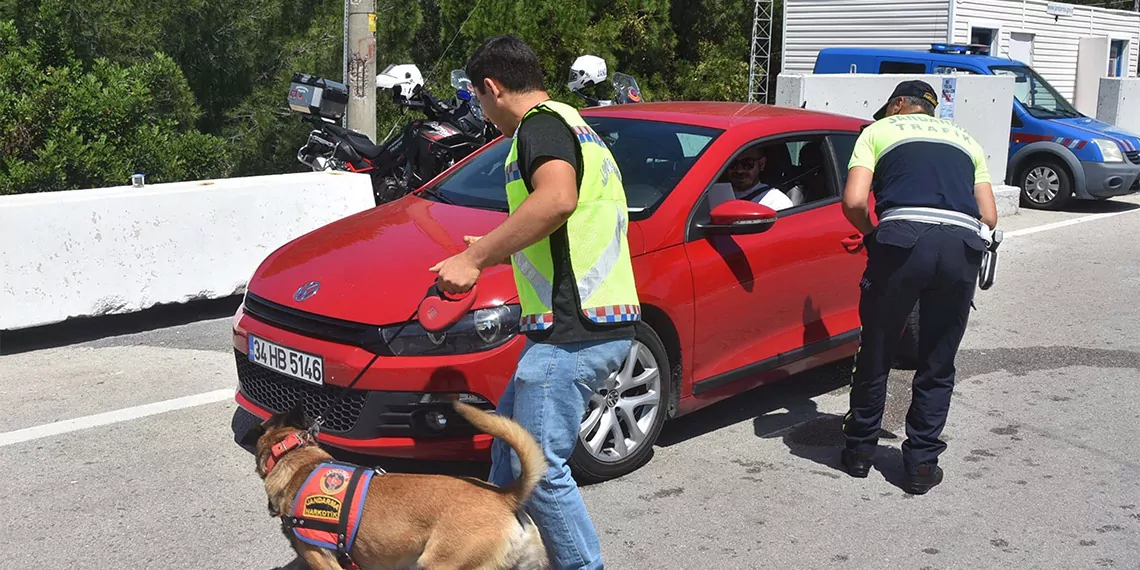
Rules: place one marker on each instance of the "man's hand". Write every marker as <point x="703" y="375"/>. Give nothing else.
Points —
<point x="457" y="274"/>
<point x="856" y="199"/>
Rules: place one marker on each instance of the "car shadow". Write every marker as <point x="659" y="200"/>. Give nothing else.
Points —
<point x="1108" y="206"/>
<point x="242" y="421"/>
<point x="793" y="394"/>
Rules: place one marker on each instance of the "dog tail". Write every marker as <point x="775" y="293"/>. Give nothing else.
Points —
<point x="530" y="453"/>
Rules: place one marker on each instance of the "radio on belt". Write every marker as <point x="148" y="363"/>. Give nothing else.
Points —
<point x="312" y="95"/>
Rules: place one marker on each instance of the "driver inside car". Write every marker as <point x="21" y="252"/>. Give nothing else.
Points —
<point x="744" y="173"/>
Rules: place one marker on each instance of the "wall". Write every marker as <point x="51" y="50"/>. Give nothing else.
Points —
<point x="811" y="25"/>
<point x="983" y="106"/>
<point x="123" y="249"/>
<point x="1119" y="103"/>
<point x="1055" y="42"/>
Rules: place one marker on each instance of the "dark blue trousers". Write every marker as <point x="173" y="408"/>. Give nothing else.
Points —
<point x="909" y="262"/>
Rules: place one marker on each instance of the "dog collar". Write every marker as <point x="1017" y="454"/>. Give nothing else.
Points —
<point x="291" y="442"/>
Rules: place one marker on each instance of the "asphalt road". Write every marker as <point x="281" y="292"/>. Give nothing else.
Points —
<point x="1042" y="469"/>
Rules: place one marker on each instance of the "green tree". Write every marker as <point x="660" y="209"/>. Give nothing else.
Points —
<point x="71" y="126"/>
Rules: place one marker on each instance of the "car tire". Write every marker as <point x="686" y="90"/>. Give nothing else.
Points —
<point x="906" y="355"/>
<point x="1045" y="184"/>
<point x="596" y="458"/>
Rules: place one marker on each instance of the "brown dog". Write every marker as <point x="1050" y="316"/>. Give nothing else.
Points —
<point x="406" y="520"/>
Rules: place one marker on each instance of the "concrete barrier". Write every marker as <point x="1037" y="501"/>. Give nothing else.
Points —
<point x="983" y="105"/>
<point x="124" y="249"/>
<point x="1119" y="103"/>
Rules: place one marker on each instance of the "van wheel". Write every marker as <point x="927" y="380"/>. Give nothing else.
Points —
<point x="906" y="355"/>
<point x="624" y="418"/>
<point x="1045" y="184"/>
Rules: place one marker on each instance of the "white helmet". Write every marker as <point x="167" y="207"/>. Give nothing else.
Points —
<point x="587" y="71"/>
<point x="403" y="79"/>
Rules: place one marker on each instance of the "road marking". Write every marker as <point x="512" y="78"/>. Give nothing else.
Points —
<point x="125" y="414"/>
<point x="1056" y="225"/>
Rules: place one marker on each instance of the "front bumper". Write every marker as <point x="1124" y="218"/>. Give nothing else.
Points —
<point x="1107" y="179"/>
<point x="385" y="413"/>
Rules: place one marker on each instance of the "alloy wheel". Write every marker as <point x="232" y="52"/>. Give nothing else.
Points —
<point x="1042" y="185"/>
<point x="620" y="414"/>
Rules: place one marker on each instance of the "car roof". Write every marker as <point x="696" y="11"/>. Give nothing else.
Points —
<point x="980" y="60"/>
<point x="716" y="114"/>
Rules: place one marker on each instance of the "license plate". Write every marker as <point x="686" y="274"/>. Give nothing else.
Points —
<point x="293" y="363"/>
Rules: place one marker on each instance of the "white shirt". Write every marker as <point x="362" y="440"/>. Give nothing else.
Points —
<point x="772" y="197"/>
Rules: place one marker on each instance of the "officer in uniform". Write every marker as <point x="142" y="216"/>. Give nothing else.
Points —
<point x="566" y="240"/>
<point x="935" y="208"/>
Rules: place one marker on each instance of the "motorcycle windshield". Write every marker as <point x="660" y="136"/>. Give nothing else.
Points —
<point x="625" y="89"/>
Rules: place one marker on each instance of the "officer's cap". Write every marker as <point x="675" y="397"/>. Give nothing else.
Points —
<point x="916" y="88"/>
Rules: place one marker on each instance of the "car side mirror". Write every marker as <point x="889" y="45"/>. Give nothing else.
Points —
<point x="740" y="217"/>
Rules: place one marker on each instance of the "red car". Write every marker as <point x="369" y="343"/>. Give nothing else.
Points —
<point x="732" y="298"/>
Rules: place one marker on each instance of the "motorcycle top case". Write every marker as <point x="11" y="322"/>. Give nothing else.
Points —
<point x="312" y="95"/>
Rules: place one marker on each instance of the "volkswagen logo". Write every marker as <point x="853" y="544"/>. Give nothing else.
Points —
<point x="306" y="291"/>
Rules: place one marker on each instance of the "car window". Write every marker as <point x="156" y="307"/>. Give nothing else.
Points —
<point x="901" y="67"/>
<point x="1040" y="99"/>
<point x="792" y="174"/>
<point x="652" y="156"/>
<point x="842" y="146"/>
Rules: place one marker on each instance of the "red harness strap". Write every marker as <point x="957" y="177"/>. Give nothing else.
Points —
<point x="328" y="506"/>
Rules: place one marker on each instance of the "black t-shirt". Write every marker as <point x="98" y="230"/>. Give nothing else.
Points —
<point x="543" y="136"/>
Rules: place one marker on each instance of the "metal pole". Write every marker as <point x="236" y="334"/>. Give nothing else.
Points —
<point x="361" y="67"/>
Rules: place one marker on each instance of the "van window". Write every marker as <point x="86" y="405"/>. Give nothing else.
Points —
<point x="902" y="67"/>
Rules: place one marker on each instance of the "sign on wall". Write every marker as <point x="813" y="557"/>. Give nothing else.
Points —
<point x="1059" y="9"/>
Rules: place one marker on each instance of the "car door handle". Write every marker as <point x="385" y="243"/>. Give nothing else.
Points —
<point x="853" y="244"/>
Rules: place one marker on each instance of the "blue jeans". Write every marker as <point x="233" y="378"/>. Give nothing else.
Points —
<point x="548" y="397"/>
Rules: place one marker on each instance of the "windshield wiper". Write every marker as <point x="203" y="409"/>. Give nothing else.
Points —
<point x="438" y="196"/>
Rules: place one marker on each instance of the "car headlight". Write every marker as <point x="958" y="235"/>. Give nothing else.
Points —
<point x="477" y="331"/>
<point x="1110" y="150"/>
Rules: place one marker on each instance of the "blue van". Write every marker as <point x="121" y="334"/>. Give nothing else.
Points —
<point x="1055" y="152"/>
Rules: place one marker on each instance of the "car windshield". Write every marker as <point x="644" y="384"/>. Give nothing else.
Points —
<point x="653" y="157"/>
<point x="1038" y="97"/>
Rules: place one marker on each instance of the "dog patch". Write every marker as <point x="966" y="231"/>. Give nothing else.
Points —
<point x="323" y="498"/>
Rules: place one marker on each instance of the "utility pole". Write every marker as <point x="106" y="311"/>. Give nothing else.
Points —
<point x="759" y="61"/>
<point x="360" y="65"/>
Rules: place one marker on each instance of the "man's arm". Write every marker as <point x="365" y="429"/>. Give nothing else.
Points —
<point x="553" y="201"/>
<point x="856" y="199"/>
<point x="984" y="194"/>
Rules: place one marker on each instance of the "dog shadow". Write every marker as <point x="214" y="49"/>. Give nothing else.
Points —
<point x="821" y="440"/>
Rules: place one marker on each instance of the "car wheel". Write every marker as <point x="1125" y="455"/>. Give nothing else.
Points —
<point x="1045" y="185"/>
<point x="906" y="355"/>
<point x="624" y="418"/>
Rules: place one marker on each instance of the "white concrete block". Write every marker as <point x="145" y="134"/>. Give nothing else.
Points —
<point x="983" y="105"/>
<point x="123" y="249"/>
<point x="1118" y="103"/>
<point x="1008" y="200"/>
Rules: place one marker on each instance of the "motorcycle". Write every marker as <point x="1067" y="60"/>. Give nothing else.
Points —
<point x="422" y="150"/>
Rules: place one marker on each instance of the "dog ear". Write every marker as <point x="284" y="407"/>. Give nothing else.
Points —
<point x="252" y="435"/>
<point x="297" y="417"/>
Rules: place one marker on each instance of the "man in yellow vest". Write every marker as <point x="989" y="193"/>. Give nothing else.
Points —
<point x="566" y="240"/>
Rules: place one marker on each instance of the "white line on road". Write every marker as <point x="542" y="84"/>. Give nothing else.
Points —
<point x="125" y="414"/>
<point x="1056" y="225"/>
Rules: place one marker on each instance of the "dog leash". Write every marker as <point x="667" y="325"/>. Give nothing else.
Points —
<point x="440" y="311"/>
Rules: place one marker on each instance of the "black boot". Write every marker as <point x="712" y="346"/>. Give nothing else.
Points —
<point x="924" y="480"/>
<point x="857" y="464"/>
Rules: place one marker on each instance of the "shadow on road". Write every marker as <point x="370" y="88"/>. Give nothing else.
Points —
<point x="793" y="394"/>
<point x="87" y="329"/>
<point x="1099" y="206"/>
<point x="243" y="420"/>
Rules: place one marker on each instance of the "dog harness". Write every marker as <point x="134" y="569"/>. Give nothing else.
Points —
<point x="326" y="511"/>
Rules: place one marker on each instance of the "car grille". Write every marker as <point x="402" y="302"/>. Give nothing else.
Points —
<point x="339" y="331"/>
<point x="278" y="393"/>
<point x="1134" y="156"/>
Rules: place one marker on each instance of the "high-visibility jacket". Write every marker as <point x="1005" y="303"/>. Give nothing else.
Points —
<point x="596" y="233"/>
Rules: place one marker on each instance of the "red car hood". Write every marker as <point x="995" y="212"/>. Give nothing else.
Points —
<point x="373" y="266"/>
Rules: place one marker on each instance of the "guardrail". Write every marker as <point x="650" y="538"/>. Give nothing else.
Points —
<point x="124" y="249"/>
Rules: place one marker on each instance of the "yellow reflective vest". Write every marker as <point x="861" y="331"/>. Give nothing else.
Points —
<point x="596" y="233"/>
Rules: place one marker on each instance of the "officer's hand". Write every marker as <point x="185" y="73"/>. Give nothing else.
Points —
<point x="456" y="274"/>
